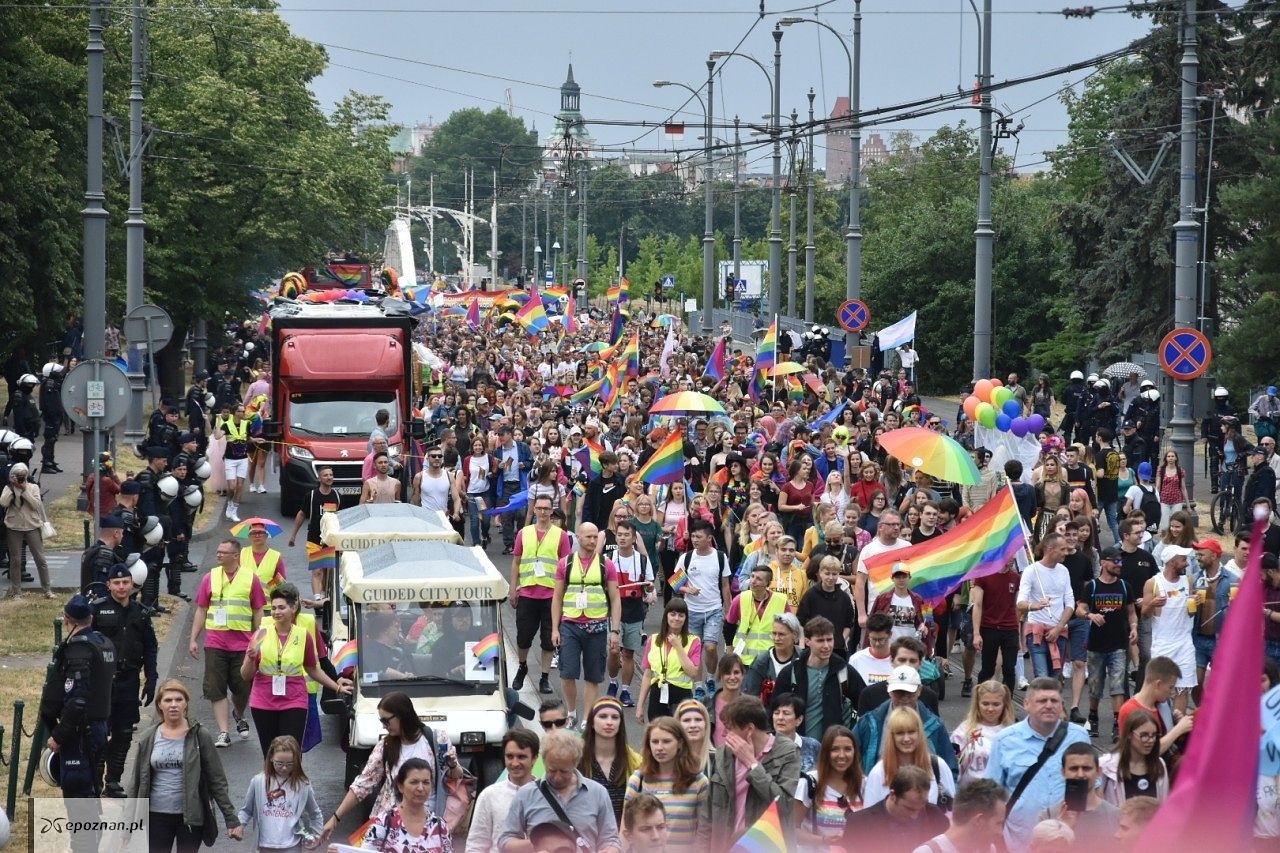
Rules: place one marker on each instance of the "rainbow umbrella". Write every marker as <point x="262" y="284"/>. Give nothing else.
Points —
<point x="687" y="403"/>
<point x="933" y="453"/>
<point x="662" y="321"/>
<point x="788" y="368"/>
<point x="594" y="346"/>
<point x="241" y="530"/>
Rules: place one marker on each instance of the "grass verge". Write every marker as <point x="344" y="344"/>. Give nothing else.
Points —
<point x="24" y="646"/>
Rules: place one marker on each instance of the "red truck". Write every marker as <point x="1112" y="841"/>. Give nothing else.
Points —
<point x="334" y="365"/>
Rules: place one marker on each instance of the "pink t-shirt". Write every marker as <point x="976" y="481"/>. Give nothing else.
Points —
<point x="295" y="686"/>
<point x="561" y="553"/>
<point x="695" y="651"/>
<point x="228" y="641"/>
<point x="258" y="558"/>
<point x="575" y="584"/>
<point x="734" y="614"/>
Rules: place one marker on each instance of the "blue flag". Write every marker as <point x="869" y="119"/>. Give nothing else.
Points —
<point x="830" y="417"/>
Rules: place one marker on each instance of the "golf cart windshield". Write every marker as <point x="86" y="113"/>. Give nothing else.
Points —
<point x="428" y="648"/>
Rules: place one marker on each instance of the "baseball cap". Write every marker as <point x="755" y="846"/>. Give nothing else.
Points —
<point x="905" y="679"/>
<point x="1113" y="553"/>
<point x="1209" y="545"/>
<point x="1170" y="551"/>
<point x="900" y="569"/>
<point x="575" y="430"/>
<point x="78" y="608"/>
<point x="1144" y="471"/>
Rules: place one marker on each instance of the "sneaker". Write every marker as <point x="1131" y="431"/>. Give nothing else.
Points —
<point x="700" y="693"/>
<point x="242" y="728"/>
<point x="1093" y="725"/>
<point x="113" y="790"/>
<point x="573" y="722"/>
<point x="544" y="685"/>
<point x="627" y="701"/>
<point x="613" y="689"/>
<point x="966" y="688"/>
<point x="235" y="512"/>
<point x="227" y="512"/>
<point x="222" y="741"/>
<point x="521" y="672"/>
<point x="1078" y="718"/>
<point x="555" y="661"/>
<point x="711" y="686"/>
<point x="320" y="598"/>
<point x="1023" y="684"/>
<point x="1068" y="669"/>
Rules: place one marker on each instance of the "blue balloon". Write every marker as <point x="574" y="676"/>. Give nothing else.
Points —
<point x="1020" y="427"/>
<point x="1012" y="408"/>
<point x="1003" y="421"/>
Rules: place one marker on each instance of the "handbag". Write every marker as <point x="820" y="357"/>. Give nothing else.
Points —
<point x="461" y="795"/>
<point x="47" y="530"/>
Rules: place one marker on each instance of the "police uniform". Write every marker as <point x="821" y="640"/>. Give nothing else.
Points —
<point x="152" y="503"/>
<point x="51" y="414"/>
<point x="129" y="629"/>
<point x="76" y="702"/>
<point x="98" y="558"/>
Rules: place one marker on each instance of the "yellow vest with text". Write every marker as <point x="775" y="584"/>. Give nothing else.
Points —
<point x="287" y="661"/>
<point x="233" y="595"/>
<point x="266" y="570"/>
<point x="308" y="621"/>
<point x="534" y="553"/>
<point x="665" y="665"/>
<point x="755" y="629"/>
<point x="579" y="579"/>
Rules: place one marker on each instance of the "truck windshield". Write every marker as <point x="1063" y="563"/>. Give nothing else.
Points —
<point x="349" y="414"/>
<point x="428" y="643"/>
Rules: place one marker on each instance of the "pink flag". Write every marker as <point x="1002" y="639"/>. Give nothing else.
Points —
<point x="1212" y="803"/>
<point x="715" y="364"/>
<point x="668" y="349"/>
<point x="571" y="317"/>
<point x="473" y="314"/>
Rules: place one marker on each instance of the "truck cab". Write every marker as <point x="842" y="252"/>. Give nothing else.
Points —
<point x="334" y="366"/>
<point x="427" y="620"/>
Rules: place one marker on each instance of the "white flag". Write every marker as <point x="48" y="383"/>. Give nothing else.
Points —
<point x="899" y="333"/>
<point x="668" y="348"/>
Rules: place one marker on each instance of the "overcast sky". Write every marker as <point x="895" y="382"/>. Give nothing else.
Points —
<point x="431" y="57"/>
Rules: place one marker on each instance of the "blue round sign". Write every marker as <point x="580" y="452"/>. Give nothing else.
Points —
<point x="1185" y="354"/>
<point x="854" y="315"/>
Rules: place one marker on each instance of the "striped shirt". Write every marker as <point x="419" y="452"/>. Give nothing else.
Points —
<point x="681" y="809"/>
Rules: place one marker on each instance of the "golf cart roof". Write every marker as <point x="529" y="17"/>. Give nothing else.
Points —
<point x="424" y="570"/>
<point x="368" y="525"/>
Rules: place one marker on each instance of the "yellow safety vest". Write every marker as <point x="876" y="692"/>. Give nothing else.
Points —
<point x="266" y="570"/>
<point x="237" y="434"/>
<point x="755" y="629"/>
<point x="308" y="621"/>
<point x="534" y="553"/>
<point x="233" y="595"/>
<point x="286" y="661"/>
<point x="665" y="665"/>
<point x="589" y="581"/>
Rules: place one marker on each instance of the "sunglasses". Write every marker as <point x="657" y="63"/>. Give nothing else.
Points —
<point x="385" y="720"/>
<point x="559" y="723"/>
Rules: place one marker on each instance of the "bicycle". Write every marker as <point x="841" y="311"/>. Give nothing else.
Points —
<point x="1224" y="510"/>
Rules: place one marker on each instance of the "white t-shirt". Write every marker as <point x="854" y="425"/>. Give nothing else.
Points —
<point x="875" y="788"/>
<point x="704" y="572"/>
<point x="870" y="667"/>
<point x="872" y="548"/>
<point x="1039" y="582"/>
<point x="902" y="610"/>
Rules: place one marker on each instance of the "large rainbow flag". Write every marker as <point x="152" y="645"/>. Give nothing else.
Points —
<point x="981" y="545"/>
<point x="763" y="836"/>
<point x="666" y="465"/>
<point x="532" y="316"/>
<point x="766" y="358"/>
<point x="631" y="355"/>
<point x="620" y="292"/>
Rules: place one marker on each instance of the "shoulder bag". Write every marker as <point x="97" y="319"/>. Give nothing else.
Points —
<point x="1050" y="747"/>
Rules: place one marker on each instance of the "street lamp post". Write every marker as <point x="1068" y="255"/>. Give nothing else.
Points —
<point x="810" y="250"/>
<point x="775" y="207"/>
<point x="708" y="232"/>
<point x="791" y="243"/>
<point x="524" y="209"/>
<point x="737" y="206"/>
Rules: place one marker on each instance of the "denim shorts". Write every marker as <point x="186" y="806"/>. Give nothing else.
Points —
<point x="1107" y="673"/>
<point x="582" y="652"/>
<point x="709" y="626"/>
<point x="1205" y="647"/>
<point x="1078" y="637"/>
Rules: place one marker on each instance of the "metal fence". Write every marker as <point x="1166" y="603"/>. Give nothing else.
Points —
<point x="743" y="324"/>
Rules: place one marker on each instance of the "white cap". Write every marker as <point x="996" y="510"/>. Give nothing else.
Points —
<point x="1168" y="552"/>
<point x="905" y="679"/>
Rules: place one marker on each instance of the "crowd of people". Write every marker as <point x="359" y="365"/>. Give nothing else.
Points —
<point x="778" y="679"/>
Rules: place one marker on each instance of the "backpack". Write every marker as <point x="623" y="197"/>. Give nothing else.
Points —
<point x="687" y="558"/>
<point x="1150" y="507"/>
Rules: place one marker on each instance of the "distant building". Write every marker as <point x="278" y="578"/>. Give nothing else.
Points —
<point x="409" y="143"/>
<point x="569" y="138"/>
<point x="840" y="147"/>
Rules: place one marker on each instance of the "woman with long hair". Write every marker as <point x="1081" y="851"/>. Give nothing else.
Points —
<point x="1052" y="492"/>
<point x="175" y="760"/>
<point x="795" y="497"/>
<point x="671" y="662"/>
<point x="695" y="722"/>
<point x="905" y="743"/>
<point x="1171" y="486"/>
<point x="648" y="528"/>
<point x="736" y="486"/>
<point x="834" y="493"/>
<point x="1179" y="531"/>
<point x="1135" y="768"/>
<point x="670" y="513"/>
<point x="750" y="528"/>
<point x="670" y="771"/>
<point x="280" y="801"/>
<point x="764" y="554"/>
<point x="826" y="796"/>
<point x="1042" y="399"/>
<point x="867" y="484"/>
<point x="766" y="473"/>
<point x="1081" y="507"/>
<point x="545" y="483"/>
<point x="410" y="825"/>
<point x="729" y="677"/>
<point x="1128" y="477"/>
<point x="606" y="758"/>
<point x="870" y="520"/>
<point x="406" y="739"/>
<point x="476" y="474"/>
<point x="990" y="713"/>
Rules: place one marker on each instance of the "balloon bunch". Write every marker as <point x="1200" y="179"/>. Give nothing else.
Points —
<point x="992" y="405"/>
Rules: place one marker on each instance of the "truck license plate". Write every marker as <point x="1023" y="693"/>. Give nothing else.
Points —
<point x="347" y="490"/>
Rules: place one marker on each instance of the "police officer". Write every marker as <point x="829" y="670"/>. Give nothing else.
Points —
<point x="122" y="621"/>
<point x="179" y="525"/>
<point x="1212" y="433"/>
<point x="51" y="414"/>
<point x="98" y="558"/>
<point x="75" y="706"/>
<point x="26" y="416"/>
<point x="199" y="407"/>
<point x="1070" y="402"/>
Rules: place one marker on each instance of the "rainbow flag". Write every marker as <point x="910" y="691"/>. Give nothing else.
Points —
<point x="978" y="547"/>
<point x="533" y="317"/>
<point x="766" y="358"/>
<point x="666" y="465"/>
<point x="473" y="314"/>
<point x="616" y="328"/>
<point x="763" y="836"/>
<point x="752" y="547"/>
<point x="321" y="558"/>
<point x="486" y="651"/>
<point x="631" y="354"/>
<point x="589" y="456"/>
<point x="611" y="385"/>
<point x="715" y="364"/>
<point x="345" y="657"/>
<point x="678" y="579"/>
<point x="586" y="393"/>
<point x="620" y="292"/>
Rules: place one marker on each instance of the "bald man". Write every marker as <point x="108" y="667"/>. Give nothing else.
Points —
<point x="586" y="617"/>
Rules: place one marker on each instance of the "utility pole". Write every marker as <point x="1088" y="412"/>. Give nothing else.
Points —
<point x="493" y="236"/>
<point x="582" y="220"/>
<point x="737" y="206"/>
<point x="853" y="236"/>
<point x="1186" y="235"/>
<point x="810" y="250"/>
<point x="791" y="243"/>
<point x="94" y="216"/>
<point x="524" y="213"/>
<point x="135" y="225"/>
<point x="708" y="228"/>
<point x="775" y="207"/>
<point x="984" y="233"/>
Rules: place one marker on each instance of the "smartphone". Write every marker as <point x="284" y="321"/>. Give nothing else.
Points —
<point x="1077" y="795"/>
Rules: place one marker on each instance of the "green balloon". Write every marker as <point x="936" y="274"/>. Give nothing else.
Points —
<point x="987" y="414"/>
<point x="1001" y="396"/>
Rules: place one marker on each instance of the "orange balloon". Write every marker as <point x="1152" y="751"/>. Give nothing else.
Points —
<point x="971" y="406"/>
<point x="982" y="390"/>
<point x="996" y="383"/>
